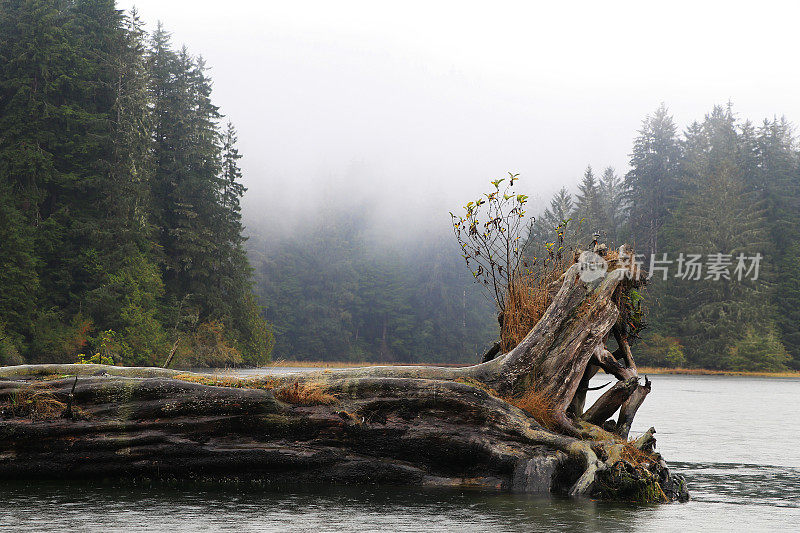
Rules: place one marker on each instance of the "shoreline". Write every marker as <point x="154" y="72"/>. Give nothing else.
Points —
<point x="642" y="369"/>
<point x="709" y="372"/>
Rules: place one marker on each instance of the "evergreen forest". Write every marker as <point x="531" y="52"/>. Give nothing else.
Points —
<point x="120" y="188"/>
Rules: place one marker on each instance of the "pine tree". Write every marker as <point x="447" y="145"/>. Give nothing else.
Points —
<point x="197" y="192"/>
<point x="126" y="296"/>
<point x="588" y="210"/>
<point x="19" y="281"/>
<point x="777" y="180"/>
<point x="252" y="334"/>
<point x="651" y="184"/>
<point x="611" y="195"/>
<point x="58" y="94"/>
<point x="180" y="185"/>
<point x="108" y="148"/>
<point x="556" y="217"/>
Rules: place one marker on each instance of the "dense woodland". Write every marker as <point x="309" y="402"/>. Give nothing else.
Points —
<point x="120" y="223"/>
<point x="723" y="186"/>
<point x="122" y="235"/>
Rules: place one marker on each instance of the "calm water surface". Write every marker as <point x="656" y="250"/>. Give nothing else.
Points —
<point x="735" y="440"/>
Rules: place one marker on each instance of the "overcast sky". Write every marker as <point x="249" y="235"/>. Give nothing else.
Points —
<point x="420" y="103"/>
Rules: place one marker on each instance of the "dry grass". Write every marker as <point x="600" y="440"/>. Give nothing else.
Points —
<point x="634" y="455"/>
<point x="707" y="372"/>
<point x="297" y="392"/>
<point x="35" y="401"/>
<point x="538" y="405"/>
<point x="527" y="299"/>
<point x="534" y="403"/>
<point x="305" y="393"/>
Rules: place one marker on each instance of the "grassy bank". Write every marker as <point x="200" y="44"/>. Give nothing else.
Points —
<point x="642" y="369"/>
<point x="707" y="372"/>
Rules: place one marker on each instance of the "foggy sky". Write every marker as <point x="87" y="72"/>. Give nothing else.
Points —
<point x="416" y="105"/>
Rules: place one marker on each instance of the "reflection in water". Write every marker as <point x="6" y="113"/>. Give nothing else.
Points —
<point x="743" y="473"/>
<point x="58" y="507"/>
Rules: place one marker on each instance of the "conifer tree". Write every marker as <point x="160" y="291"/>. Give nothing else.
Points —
<point x="555" y="217"/>
<point x="588" y="208"/>
<point x="116" y="211"/>
<point x="58" y="94"/>
<point x="651" y="184"/>
<point x="612" y="204"/>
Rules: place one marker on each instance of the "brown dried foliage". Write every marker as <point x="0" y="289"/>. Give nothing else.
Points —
<point x="305" y="393"/>
<point x="538" y="405"/>
<point x="35" y="401"/>
<point x="634" y="455"/>
<point x="297" y="392"/>
<point x="529" y="296"/>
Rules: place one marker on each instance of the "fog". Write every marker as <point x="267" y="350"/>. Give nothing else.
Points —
<point x="412" y="107"/>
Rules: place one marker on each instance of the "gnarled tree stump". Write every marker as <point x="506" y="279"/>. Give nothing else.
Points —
<point x="410" y="425"/>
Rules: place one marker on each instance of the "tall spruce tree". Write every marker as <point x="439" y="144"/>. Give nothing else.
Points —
<point x="588" y="211"/>
<point x="197" y="191"/>
<point x="611" y="195"/>
<point x="556" y="217"/>
<point x="58" y="95"/>
<point x="651" y="184"/>
<point x="777" y="180"/>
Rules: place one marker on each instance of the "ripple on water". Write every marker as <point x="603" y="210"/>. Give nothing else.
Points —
<point x="743" y="484"/>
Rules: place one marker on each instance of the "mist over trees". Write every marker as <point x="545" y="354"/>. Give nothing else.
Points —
<point x="721" y="188"/>
<point x="337" y="291"/>
<point x="119" y="196"/>
<point x="122" y="235"/>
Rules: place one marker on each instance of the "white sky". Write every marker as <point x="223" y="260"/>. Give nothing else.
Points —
<point x="419" y="104"/>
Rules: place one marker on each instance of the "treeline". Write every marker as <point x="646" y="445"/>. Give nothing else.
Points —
<point x="724" y="194"/>
<point x="120" y="223"/>
<point x="334" y="291"/>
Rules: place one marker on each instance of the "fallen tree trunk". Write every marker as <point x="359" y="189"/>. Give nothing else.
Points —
<point x="410" y="425"/>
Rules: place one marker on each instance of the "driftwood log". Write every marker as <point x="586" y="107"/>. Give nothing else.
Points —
<point x="427" y="426"/>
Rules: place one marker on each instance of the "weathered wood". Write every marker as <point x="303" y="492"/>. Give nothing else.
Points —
<point x="629" y="408"/>
<point x="625" y="348"/>
<point x="492" y="352"/>
<point x="607" y="404"/>
<point x="646" y="441"/>
<point x="388" y="430"/>
<point x="606" y="360"/>
<point x="579" y="401"/>
<point x="171" y="354"/>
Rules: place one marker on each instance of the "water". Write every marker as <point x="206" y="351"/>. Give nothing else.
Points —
<point x="733" y="438"/>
